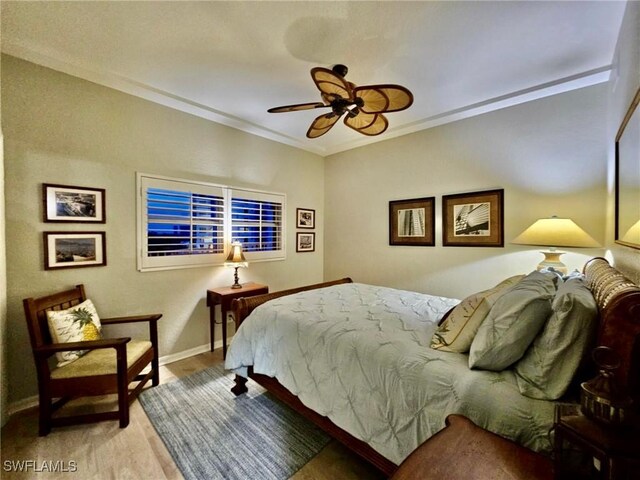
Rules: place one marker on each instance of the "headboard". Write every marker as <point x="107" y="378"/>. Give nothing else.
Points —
<point x="618" y="300"/>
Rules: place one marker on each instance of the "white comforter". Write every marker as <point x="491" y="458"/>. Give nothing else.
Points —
<point x="360" y="355"/>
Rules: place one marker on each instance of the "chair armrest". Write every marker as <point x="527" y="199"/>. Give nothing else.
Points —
<point x="88" y="345"/>
<point x="154" y="317"/>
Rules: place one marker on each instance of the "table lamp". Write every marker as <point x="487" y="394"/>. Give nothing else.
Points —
<point x="633" y="234"/>
<point x="236" y="259"/>
<point x="555" y="232"/>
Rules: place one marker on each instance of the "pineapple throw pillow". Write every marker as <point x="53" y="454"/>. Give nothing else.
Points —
<point x="76" y="324"/>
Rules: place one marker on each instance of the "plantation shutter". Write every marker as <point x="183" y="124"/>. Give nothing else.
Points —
<point x="182" y="223"/>
<point x="257" y="221"/>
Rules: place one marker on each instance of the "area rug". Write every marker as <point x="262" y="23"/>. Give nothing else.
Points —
<point x="212" y="434"/>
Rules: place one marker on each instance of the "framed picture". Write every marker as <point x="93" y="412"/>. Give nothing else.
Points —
<point x="74" y="249"/>
<point x="473" y="219"/>
<point x="412" y="222"/>
<point x="306" y="218"/>
<point x="305" y="242"/>
<point x="65" y="203"/>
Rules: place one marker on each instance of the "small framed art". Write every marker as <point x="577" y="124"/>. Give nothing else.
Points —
<point x="412" y="222"/>
<point x="66" y="203"/>
<point x="473" y="219"/>
<point x="305" y="242"/>
<point x="74" y="249"/>
<point x="306" y="218"/>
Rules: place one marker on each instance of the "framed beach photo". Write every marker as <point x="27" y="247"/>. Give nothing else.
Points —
<point x="473" y="219"/>
<point x="412" y="222"/>
<point x="305" y="218"/>
<point x="74" y="249"/>
<point x="66" y="203"/>
<point x="305" y="242"/>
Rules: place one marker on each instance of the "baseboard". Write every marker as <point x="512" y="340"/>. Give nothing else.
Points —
<point x="32" y="402"/>
<point x="174" y="357"/>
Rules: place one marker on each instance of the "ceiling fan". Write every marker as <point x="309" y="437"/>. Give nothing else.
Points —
<point x="364" y="105"/>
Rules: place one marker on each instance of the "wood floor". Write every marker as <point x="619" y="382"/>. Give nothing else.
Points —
<point x="104" y="451"/>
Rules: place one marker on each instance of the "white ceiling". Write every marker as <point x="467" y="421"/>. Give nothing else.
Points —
<point x="231" y="61"/>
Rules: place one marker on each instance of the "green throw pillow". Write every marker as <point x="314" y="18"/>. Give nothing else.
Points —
<point x="456" y="330"/>
<point x="546" y="370"/>
<point x="513" y="322"/>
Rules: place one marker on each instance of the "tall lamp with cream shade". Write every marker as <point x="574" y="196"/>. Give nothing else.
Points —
<point x="555" y="232"/>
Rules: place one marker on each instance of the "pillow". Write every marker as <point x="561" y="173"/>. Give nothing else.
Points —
<point x="455" y="333"/>
<point x="513" y="322"/>
<point x="548" y="367"/>
<point x="74" y="325"/>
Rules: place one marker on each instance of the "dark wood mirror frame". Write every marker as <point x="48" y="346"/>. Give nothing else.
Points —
<point x="621" y="162"/>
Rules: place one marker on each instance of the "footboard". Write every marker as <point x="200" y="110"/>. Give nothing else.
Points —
<point x="242" y="307"/>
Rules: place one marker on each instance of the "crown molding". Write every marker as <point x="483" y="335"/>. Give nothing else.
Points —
<point x="147" y="92"/>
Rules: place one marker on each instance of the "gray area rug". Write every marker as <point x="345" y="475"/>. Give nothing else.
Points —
<point x="212" y="434"/>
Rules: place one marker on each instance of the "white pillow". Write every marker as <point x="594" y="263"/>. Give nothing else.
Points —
<point x="76" y="324"/>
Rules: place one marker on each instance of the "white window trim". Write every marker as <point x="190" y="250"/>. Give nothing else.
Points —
<point x="201" y="260"/>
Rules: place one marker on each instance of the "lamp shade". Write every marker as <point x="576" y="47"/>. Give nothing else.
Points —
<point x="236" y="257"/>
<point x="555" y="232"/>
<point x="633" y="234"/>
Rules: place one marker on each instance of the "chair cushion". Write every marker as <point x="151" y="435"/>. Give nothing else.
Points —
<point x="546" y="370"/>
<point x="457" y="330"/>
<point x="101" y="361"/>
<point x="76" y="324"/>
<point x="513" y="322"/>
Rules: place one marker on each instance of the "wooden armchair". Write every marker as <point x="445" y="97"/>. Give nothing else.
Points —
<point x="109" y="366"/>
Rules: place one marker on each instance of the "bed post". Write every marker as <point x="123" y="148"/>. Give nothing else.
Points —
<point x="240" y="386"/>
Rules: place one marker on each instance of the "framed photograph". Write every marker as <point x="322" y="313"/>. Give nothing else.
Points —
<point x="74" y="249"/>
<point x="306" y="218"/>
<point x="473" y="219"/>
<point x="305" y="242"/>
<point x="66" y="203"/>
<point x="412" y="222"/>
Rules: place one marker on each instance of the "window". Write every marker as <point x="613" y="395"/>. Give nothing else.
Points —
<point x="185" y="223"/>
<point x="256" y="222"/>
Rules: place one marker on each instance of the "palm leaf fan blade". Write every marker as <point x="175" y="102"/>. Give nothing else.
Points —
<point x="322" y="125"/>
<point x="370" y="124"/>
<point x="383" y="98"/>
<point x="331" y="84"/>
<point x="297" y="107"/>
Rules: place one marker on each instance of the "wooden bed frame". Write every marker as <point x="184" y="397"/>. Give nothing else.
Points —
<point x="618" y="302"/>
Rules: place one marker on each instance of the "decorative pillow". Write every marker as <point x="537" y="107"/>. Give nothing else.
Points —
<point x="513" y="322"/>
<point x="455" y="333"/>
<point x="548" y="366"/>
<point x="75" y="324"/>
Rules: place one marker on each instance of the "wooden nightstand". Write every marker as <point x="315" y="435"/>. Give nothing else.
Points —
<point x="616" y="451"/>
<point x="223" y="297"/>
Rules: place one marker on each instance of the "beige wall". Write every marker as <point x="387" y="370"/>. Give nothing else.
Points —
<point x="4" y="374"/>
<point x="61" y="129"/>
<point x="623" y="85"/>
<point x="549" y="156"/>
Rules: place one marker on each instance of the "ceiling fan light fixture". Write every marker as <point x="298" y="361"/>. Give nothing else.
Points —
<point x="363" y="105"/>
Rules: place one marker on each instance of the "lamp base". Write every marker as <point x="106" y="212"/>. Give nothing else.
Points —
<point x="552" y="260"/>
<point x="235" y="278"/>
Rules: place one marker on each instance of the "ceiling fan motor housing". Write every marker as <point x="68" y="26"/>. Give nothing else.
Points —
<point x="340" y="69"/>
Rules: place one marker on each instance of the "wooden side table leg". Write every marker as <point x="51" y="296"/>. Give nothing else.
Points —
<point x="224" y="331"/>
<point x="212" y="322"/>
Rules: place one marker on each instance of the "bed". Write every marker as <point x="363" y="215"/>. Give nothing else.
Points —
<point x="356" y="360"/>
